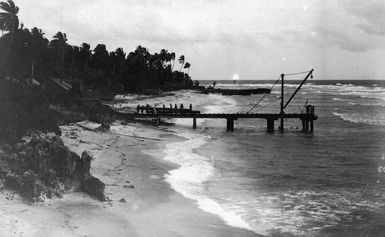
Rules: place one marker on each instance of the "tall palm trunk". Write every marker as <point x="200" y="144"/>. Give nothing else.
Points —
<point x="8" y="48"/>
<point x="32" y="69"/>
<point x="113" y="70"/>
<point x="85" y="66"/>
<point x="180" y="70"/>
<point x="62" y="59"/>
<point x="72" y="64"/>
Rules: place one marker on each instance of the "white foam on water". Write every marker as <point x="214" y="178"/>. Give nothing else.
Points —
<point x="190" y="178"/>
<point x="220" y="104"/>
<point x="376" y="119"/>
<point x="295" y="213"/>
<point x="187" y="122"/>
<point x="375" y="92"/>
<point x="337" y="99"/>
<point x="127" y="97"/>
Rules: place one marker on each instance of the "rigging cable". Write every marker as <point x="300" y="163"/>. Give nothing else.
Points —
<point x="269" y="104"/>
<point x="296" y="73"/>
<point x="259" y="101"/>
<point x="288" y="74"/>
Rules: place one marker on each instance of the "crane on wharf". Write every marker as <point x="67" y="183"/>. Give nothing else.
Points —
<point x="307" y="118"/>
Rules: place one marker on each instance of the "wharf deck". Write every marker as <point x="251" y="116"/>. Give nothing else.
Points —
<point x="221" y="115"/>
<point x="306" y="118"/>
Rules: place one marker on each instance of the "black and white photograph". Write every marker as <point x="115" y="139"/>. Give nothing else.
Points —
<point x="192" y="118"/>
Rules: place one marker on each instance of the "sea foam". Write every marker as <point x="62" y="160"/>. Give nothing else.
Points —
<point x="377" y="119"/>
<point x="190" y="178"/>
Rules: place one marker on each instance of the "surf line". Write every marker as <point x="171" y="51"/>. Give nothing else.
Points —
<point x="189" y="179"/>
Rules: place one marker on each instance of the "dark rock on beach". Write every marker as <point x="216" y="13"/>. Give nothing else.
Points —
<point x="90" y="185"/>
<point x="94" y="187"/>
<point x="42" y="167"/>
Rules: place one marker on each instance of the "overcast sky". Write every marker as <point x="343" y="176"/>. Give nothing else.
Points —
<point x="257" y="39"/>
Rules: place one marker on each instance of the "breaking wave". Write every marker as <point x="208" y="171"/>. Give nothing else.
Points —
<point x="376" y="120"/>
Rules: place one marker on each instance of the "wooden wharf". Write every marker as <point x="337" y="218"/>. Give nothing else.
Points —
<point x="307" y="118"/>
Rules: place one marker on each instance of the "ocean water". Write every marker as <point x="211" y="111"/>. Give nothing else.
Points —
<point x="329" y="183"/>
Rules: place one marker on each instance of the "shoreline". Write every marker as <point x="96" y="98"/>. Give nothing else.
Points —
<point x="140" y="201"/>
<point x="199" y="170"/>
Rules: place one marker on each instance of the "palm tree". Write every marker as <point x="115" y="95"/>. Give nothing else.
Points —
<point x="163" y="56"/>
<point x="9" y="21"/>
<point x="117" y="58"/>
<point x="172" y="58"/>
<point x="100" y="59"/>
<point x="187" y="65"/>
<point x="60" y="42"/>
<point x="85" y="55"/>
<point x="75" y="55"/>
<point x="181" y="61"/>
<point x="39" y="45"/>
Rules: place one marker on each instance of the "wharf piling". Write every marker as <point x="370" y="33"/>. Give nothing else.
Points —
<point x="230" y="124"/>
<point x="270" y="125"/>
<point x="307" y="122"/>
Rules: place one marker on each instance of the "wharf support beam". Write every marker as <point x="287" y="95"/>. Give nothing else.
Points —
<point x="307" y="125"/>
<point x="270" y="125"/>
<point x="230" y="124"/>
<point x="194" y="123"/>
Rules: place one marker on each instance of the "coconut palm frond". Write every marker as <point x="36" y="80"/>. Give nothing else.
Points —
<point x="9" y="7"/>
<point x="187" y="65"/>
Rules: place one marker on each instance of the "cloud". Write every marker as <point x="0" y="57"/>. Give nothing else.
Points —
<point x="342" y="38"/>
<point x="220" y="37"/>
<point x="371" y="13"/>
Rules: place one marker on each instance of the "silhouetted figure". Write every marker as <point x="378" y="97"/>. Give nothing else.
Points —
<point x="164" y="106"/>
<point x="176" y="106"/>
<point x="181" y="106"/>
<point x="137" y="109"/>
<point x="191" y="107"/>
<point x="170" y="106"/>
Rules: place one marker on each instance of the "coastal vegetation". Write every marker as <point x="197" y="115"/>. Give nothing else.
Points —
<point x="33" y="159"/>
<point x="27" y="53"/>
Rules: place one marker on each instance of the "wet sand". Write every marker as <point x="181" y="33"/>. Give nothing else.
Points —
<point x="128" y="160"/>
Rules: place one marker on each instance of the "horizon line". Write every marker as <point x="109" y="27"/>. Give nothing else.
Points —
<point x="287" y="79"/>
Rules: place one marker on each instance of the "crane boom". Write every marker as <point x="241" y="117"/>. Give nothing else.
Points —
<point x="307" y="76"/>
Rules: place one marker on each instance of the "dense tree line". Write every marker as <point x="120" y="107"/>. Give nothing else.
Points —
<point x="27" y="53"/>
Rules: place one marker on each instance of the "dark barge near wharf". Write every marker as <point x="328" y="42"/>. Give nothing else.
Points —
<point x="236" y="91"/>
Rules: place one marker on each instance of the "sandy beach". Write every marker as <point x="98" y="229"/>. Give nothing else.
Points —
<point x="128" y="159"/>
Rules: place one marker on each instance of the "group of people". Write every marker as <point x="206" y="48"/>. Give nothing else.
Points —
<point x="152" y="110"/>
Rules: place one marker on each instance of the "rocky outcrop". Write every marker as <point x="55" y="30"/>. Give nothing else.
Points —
<point x="94" y="187"/>
<point x="90" y="184"/>
<point x="42" y="167"/>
